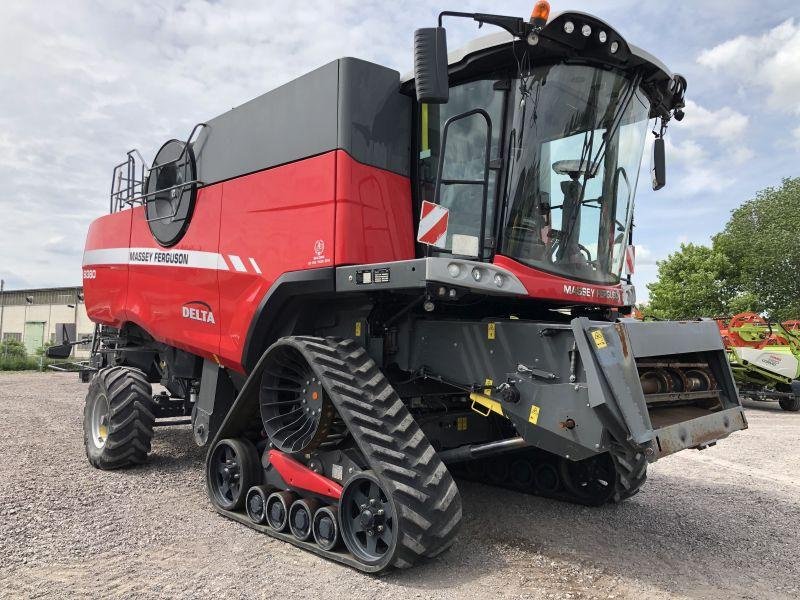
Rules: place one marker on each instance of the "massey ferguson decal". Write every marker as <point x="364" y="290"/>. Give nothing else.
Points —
<point x="197" y="310"/>
<point x="158" y="257"/>
<point x="585" y="291"/>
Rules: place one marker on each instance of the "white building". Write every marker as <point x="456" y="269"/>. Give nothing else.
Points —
<point x="38" y="316"/>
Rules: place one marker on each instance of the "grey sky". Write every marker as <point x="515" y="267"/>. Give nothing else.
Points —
<point x="82" y="82"/>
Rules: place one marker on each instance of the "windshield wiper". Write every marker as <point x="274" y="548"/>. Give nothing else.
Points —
<point x="616" y="122"/>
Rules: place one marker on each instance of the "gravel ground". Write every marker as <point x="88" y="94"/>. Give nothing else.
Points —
<point x="722" y="523"/>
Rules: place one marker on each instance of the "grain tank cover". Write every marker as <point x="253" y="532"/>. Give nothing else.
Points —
<point x="348" y="104"/>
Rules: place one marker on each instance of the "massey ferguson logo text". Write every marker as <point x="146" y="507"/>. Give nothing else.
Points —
<point x="159" y="258"/>
<point x="590" y="292"/>
<point x="198" y="311"/>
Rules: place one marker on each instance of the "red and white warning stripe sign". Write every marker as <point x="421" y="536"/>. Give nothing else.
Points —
<point x="433" y="221"/>
<point x="630" y="258"/>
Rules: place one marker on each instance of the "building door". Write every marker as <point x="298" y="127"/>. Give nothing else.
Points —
<point x="34" y="336"/>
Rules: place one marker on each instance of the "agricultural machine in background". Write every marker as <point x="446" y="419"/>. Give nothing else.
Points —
<point x="359" y="284"/>
<point x="764" y="358"/>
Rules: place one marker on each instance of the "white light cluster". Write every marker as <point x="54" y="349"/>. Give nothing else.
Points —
<point x="586" y="31"/>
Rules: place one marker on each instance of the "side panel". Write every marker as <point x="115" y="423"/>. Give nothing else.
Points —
<point x="274" y="221"/>
<point x="105" y="268"/>
<point x="174" y="293"/>
<point x="373" y="214"/>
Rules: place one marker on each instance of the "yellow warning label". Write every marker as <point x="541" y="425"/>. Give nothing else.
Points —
<point x="490" y="333"/>
<point x="487" y="391"/>
<point x="461" y="424"/>
<point x="358" y="328"/>
<point x="534" y="416"/>
<point x="599" y="340"/>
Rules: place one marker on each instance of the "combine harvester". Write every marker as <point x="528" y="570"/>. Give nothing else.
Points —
<point x="764" y="358"/>
<point x="359" y="282"/>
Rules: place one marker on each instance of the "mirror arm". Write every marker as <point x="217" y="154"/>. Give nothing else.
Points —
<point x="514" y="25"/>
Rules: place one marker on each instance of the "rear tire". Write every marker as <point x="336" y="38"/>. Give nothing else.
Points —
<point x="118" y="418"/>
<point x="791" y="404"/>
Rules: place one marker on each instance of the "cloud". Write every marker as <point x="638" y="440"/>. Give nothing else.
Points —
<point x="83" y="82"/>
<point x="724" y="124"/>
<point x="770" y="60"/>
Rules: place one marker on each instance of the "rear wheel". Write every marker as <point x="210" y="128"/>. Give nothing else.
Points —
<point x="118" y="418"/>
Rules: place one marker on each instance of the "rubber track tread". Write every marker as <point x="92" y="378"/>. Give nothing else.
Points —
<point x="424" y="493"/>
<point x="131" y="418"/>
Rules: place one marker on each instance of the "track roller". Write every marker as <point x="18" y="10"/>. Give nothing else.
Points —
<point x="256" y="503"/>
<point x="546" y="479"/>
<point x="521" y="473"/>
<point x="301" y="515"/>
<point x="326" y="528"/>
<point x="278" y="505"/>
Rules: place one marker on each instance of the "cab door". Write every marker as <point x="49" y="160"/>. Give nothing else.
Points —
<point x="464" y="163"/>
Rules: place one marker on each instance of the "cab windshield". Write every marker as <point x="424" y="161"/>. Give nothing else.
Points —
<point x="575" y="147"/>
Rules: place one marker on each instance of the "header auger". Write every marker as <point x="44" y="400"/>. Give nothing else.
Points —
<point x="358" y="285"/>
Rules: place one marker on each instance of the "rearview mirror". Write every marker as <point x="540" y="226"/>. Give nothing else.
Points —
<point x="60" y="351"/>
<point x="658" y="168"/>
<point x="430" y="65"/>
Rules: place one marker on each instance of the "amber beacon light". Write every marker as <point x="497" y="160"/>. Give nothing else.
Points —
<point x="540" y="14"/>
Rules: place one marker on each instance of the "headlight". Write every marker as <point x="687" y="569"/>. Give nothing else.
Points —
<point x="477" y="274"/>
<point x="454" y="269"/>
<point x="586" y="31"/>
<point x="602" y="36"/>
<point x="569" y="27"/>
<point x="499" y="280"/>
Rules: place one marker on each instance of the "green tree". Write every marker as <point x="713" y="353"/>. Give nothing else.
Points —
<point x="762" y="244"/>
<point x="691" y="283"/>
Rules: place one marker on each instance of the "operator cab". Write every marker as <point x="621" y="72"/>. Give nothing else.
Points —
<point x="532" y="140"/>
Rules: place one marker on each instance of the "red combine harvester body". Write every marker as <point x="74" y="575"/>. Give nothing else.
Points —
<point x="318" y="212"/>
<point x="359" y="285"/>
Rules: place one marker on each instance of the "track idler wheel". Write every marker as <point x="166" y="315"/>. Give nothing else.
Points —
<point x="591" y="481"/>
<point x="256" y="503"/>
<point x="278" y="504"/>
<point x="326" y="528"/>
<point x="301" y="516"/>
<point x="368" y="519"/>
<point x="231" y="471"/>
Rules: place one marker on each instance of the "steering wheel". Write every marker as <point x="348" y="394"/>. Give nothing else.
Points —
<point x="581" y="247"/>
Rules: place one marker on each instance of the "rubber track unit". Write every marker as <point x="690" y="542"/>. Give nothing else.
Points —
<point x="631" y="473"/>
<point x="131" y="417"/>
<point x="425" y="495"/>
<point x="498" y="471"/>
